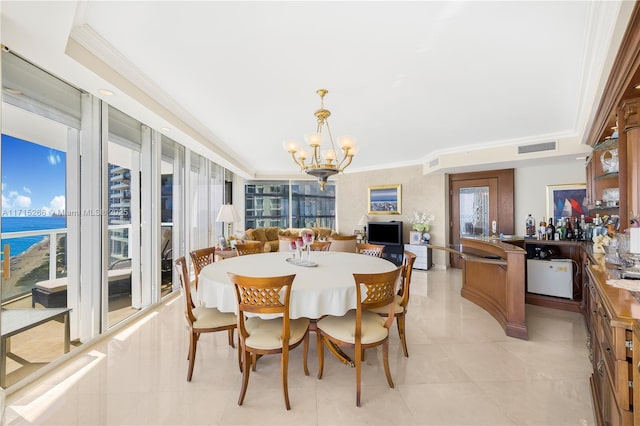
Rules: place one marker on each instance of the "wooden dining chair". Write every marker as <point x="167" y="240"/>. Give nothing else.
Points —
<point x="268" y="295"/>
<point x="370" y="249"/>
<point x="320" y="245"/>
<point x="362" y="329"/>
<point x="201" y="258"/>
<point x="401" y="300"/>
<point x="201" y="319"/>
<point x="250" y="247"/>
<point x="345" y="243"/>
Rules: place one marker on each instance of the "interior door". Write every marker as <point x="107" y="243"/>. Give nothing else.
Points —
<point x="474" y="206"/>
<point x="481" y="205"/>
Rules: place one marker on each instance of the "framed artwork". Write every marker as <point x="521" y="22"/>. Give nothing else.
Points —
<point x="568" y="200"/>
<point x="385" y="199"/>
<point x="223" y="243"/>
<point x="415" y="237"/>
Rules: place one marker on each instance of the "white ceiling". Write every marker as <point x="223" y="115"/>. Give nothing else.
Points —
<point x="410" y="80"/>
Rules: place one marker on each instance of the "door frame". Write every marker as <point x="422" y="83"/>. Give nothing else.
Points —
<point x="505" y="213"/>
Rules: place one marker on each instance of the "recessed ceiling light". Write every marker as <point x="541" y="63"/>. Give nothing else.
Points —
<point x="13" y="91"/>
<point x="581" y="158"/>
<point x="637" y="86"/>
<point x="105" y="92"/>
<point x="165" y="129"/>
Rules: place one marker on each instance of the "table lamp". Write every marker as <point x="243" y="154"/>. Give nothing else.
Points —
<point x="227" y="214"/>
<point x="364" y="221"/>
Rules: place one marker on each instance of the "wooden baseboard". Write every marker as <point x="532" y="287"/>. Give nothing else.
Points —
<point x="553" y="302"/>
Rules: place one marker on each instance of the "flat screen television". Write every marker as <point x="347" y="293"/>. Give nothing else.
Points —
<point x="385" y="233"/>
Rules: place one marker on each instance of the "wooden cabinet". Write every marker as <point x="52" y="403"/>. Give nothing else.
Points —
<point x="561" y="249"/>
<point x="605" y="178"/>
<point x="423" y="255"/>
<point x="610" y="322"/>
<point x="610" y="312"/>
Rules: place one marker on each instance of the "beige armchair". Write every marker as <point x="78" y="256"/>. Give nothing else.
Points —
<point x="345" y="243"/>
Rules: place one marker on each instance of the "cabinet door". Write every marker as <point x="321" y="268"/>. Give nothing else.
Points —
<point x="636" y="372"/>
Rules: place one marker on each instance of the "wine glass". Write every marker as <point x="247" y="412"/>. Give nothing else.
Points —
<point x="293" y="248"/>
<point x="299" y="246"/>
<point x="307" y="238"/>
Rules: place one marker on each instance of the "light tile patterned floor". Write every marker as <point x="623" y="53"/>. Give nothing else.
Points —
<point x="461" y="370"/>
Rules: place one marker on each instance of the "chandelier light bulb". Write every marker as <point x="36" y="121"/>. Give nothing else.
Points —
<point x="329" y="155"/>
<point x="303" y="155"/>
<point x="291" y="146"/>
<point x="314" y="139"/>
<point x="346" y="141"/>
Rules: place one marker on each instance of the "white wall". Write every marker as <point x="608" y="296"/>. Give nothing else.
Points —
<point x="430" y="193"/>
<point x="531" y="188"/>
<point x="419" y="193"/>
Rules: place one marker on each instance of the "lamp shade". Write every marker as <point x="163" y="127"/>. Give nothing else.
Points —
<point x="364" y="220"/>
<point x="226" y="214"/>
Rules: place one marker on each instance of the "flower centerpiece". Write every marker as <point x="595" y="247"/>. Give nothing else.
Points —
<point x="421" y="221"/>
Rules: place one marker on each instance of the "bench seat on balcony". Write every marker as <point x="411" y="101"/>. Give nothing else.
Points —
<point x="53" y="293"/>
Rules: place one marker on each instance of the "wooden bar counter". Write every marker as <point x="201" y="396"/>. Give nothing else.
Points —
<point x="493" y="277"/>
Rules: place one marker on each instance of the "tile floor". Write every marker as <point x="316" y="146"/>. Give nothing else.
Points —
<point x="461" y="370"/>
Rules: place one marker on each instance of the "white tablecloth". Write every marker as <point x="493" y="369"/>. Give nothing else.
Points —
<point x="327" y="289"/>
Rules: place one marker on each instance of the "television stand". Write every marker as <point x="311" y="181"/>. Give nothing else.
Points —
<point x="393" y="253"/>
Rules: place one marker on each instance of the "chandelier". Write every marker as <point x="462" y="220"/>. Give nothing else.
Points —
<point x="326" y="163"/>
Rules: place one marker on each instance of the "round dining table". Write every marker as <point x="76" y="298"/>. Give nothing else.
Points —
<point x="328" y="288"/>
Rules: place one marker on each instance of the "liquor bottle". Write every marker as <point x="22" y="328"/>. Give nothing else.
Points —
<point x="583" y="229"/>
<point x="561" y="229"/>
<point x="530" y="226"/>
<point x="551" y="230"/>
<point x="571" y="228"/>
<point x="542" y="230"/>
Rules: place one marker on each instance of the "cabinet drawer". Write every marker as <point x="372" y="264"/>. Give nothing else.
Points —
<point x="420" y="265"/>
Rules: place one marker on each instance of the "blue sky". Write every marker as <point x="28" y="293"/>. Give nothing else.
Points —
<point x="33" y="177"/>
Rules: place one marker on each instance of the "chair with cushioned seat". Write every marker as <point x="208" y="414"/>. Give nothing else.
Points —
<point x="201" y="258"/>
<point x="249" y="247"/>
<point x="320" y="246"/>
<point x="362" y="329"/>
<point x="401" y="300"/>
<point x="258" y="336"/>
<point x="344" y="243"/>
<point x="201" y="319"/>
<point x="370" y="249"/>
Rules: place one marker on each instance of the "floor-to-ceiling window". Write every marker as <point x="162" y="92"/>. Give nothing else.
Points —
<point x="205" y="199"/>
<point x="171" y="211"/>
<point x="124" y="174"/>
<point x="72" y="163"/>
<point x="296" y="204"/>
<point x="40" y="122"/>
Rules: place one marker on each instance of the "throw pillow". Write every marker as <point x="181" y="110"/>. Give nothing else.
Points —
<point x="259" y="235"/>
<point x="271" y="233"/>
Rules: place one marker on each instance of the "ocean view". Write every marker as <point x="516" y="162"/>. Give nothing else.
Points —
<point x="18" y="224"/>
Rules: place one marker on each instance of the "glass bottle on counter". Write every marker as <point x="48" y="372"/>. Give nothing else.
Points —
<point x="530" y="226"/>
<point x="542" y="230"/>
<point x="571" y="233"/>
<point x="551" y="230"/>
<point x="561" y="229"/>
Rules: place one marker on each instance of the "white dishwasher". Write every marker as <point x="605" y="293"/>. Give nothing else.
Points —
<point x="552" y="277"/>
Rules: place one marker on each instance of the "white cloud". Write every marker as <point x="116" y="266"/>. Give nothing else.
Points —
<point x="53" y="158"/>
<point x="58" y="203"/>
<point x="14" y="200"/>
<point x="27" y="190"/>
<point x="22" y="201"/>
